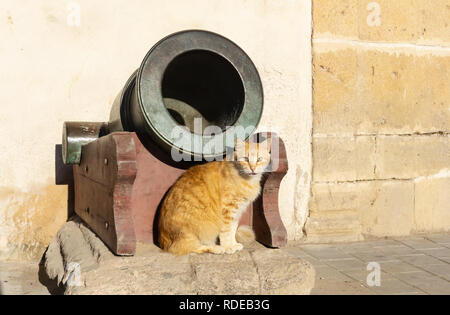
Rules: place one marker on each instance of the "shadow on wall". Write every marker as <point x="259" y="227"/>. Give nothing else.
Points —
<point x="64" y="176"/>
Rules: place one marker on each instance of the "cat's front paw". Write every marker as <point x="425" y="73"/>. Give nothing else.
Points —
<point x="233" y="248"/>
<point x="218" y="250"/>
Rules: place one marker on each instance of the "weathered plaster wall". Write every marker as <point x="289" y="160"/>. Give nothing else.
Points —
<point x="54" y="70"/>
<point x="381" y="146"/>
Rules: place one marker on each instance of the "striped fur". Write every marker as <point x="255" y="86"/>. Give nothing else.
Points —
<point x="207" y="201"/>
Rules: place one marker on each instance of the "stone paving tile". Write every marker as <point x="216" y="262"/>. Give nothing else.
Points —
<point x="397" y="250"/>
<point x="348" y="287"/>
<point x="376" y="255"/>
<point x="415" y="265"/>
<point x="420" y="243"/>
<point x="439" y="287"/>
<point x="383" y="243"/>
<point x="329" y="273"/>
<point x="331" y="281"/>
<point x="324" y="252"/>
<point x="356" y="248"/>
<point x="411" y="293"/>
<point x="20" y="278"/>
<point x="421" y="260"/>
<point x="442" y="271"/>
<point x="446" y="259"/>
<point x="364" y="247"/>
<point x="352" y="291"/>
<point x="437" y="252"/>
<point x="347" y="264"/>
<point x="394" y="286"/>
<point x="415" y="277"/>
<point x="361" y="275"/>
<point x="439" y="238"/>
<point x="394" y="267"/>
<point x="372" y="243"/>
<point x="425" y="282"/>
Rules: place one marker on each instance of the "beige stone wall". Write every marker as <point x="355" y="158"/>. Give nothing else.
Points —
<point x="55" y="69"/>
<point x="381" y="103"/>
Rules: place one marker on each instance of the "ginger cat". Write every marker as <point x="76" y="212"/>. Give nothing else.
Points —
<point x="208" y="200"/>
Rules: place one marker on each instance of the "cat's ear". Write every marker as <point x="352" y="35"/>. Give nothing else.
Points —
<point x="267" y="144"/>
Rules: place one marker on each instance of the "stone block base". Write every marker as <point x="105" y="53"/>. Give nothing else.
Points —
<point x="79" y="263"/>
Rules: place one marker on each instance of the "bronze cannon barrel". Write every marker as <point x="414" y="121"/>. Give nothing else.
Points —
<point x="192" y="88"/>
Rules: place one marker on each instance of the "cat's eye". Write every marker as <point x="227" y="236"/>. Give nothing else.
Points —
<point x="243" y="159"/>
<point x="260" y="159"/>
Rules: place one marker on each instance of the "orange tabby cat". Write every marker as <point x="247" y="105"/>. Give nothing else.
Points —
<point x="208" y="200"/>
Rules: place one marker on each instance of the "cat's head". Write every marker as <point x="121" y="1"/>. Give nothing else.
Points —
<point x="253" y="158"/>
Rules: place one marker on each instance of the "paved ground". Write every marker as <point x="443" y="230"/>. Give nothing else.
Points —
<point x="413" y="265"/>
<point x="20" y="278"/>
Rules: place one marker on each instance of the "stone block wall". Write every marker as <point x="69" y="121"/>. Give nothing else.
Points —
<point x="381" y="119"/>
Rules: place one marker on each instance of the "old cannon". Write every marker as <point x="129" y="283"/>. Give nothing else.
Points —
<point x="191" y="93"/>
<point x="187" y="75"/>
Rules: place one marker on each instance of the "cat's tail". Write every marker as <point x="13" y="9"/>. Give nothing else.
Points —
<point x="182" y="245"/>
<point x="245" y="234"/>
<point x="188" y="243"/>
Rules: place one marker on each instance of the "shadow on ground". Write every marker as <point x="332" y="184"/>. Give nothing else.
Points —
<point x="51" y="285"/>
